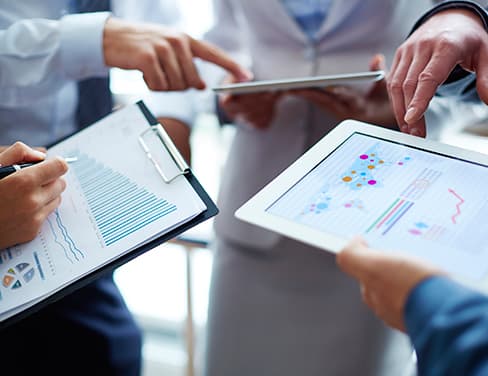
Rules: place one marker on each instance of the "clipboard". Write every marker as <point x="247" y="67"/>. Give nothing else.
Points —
<point x="156" y="130"/>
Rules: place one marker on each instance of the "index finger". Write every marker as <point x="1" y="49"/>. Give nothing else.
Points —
<point x="20" y="152"/>
<point x="212" y="54"/>
<point x="47" y="171"/>
<point x="434" y="74"/>
<point x="395" y="87"/>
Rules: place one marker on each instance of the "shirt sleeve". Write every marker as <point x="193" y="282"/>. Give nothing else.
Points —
<point x="37" y="52"/>
<point x="448" y="325"/>
<point x="81" y="45"/>
<point x="454" y="4"/>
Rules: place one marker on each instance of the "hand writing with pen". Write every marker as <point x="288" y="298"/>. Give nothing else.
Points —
<point x="28" y="195"/>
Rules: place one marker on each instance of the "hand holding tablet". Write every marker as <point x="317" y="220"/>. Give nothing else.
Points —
<point x="362" y="96"/>
<point x="318" y="82"/>
<point x="399" y="192"/>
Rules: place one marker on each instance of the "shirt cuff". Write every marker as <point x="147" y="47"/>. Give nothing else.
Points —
<point x="82" y="45"/>
<point x="425" y="300"/>
<point x="469" y="5"/>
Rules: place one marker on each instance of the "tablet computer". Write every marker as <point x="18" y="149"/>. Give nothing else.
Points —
<point x="398" y="191"/>
<point x="360" y="78"/>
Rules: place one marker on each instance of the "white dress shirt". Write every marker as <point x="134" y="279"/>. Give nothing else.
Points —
<point x="43" y="52"/>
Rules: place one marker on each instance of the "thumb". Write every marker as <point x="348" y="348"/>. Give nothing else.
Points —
<point x="20" y="152"/>
<point x="377" y="62"/>
<point x="228" y="80"/>
<point x="354" y="258"/>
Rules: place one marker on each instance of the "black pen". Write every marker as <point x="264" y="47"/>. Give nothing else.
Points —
<point x="10" y="169"/>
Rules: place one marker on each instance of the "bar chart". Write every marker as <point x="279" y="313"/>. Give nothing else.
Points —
<point x="391" y="216"/>
<point x="119" y="206"/>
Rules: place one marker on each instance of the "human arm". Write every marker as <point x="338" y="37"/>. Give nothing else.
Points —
<point x="83" y="45"/>
<point x="448" y="326"/>
<point x="38" y="54"/>
<point x="29" y="195"/>
<point x="447" y="323"/>
<point x="163" y="55"/>
<point x="452" y="34"/>
<point x="374" y="270"/>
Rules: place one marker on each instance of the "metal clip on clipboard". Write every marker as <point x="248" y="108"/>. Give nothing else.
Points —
<point x="160" y="133"/>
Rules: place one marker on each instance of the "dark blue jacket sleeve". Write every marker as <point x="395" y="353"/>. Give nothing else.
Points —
<point x="448" y="326"/>
<point x="460" y="83"/>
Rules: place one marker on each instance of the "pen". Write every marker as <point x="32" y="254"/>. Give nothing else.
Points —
<point x="7" y="170"/>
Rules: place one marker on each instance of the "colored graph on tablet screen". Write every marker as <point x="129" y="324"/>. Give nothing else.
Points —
<point x="395" y="196"/>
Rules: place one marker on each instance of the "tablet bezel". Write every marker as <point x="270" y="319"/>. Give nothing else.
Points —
<point x="301" y="83"/>
<point x="254" y="211"/>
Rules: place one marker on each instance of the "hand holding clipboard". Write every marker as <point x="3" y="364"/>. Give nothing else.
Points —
<point x="127" y="192"/>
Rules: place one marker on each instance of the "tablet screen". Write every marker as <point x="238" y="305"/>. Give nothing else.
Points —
<point x="397" y="197"/>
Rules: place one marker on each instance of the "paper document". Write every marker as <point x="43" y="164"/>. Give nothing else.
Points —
<point x="115" y="201"/>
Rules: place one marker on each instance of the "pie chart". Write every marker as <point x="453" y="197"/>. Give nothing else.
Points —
<point x="18" y="275"/>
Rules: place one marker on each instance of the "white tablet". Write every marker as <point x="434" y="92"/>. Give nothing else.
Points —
<point x="359" y="78"/>
<point x="398" y="191"/>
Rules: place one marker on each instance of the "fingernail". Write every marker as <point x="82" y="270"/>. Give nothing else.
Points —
<point x="411" y="115"/>
<point x="246" y="75"/>
<point x="59" y="158"/>
<point x="415" y="132"/>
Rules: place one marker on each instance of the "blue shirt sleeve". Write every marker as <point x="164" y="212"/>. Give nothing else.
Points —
<point x="448" y="325"/>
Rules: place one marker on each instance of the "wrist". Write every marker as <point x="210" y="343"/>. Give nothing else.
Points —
<point x="113" y="32"/>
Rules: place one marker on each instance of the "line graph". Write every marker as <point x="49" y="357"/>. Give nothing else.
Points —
<point x="458" y="205"/>
<point x="63" y="239"/>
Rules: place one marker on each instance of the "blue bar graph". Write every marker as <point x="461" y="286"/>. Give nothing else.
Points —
<point x="119" y="206"/>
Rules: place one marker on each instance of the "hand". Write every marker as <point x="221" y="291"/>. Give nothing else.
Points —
<point x="29" y="195"/>
<point x="426" y="59"/>
<point x="256" y="109"/>
<point x="180" y="135"/>
<point x="164" y="56"/>
<point x="347" y="103"/>
<point x="386" y="279"/>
